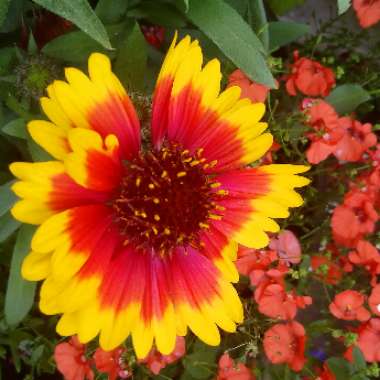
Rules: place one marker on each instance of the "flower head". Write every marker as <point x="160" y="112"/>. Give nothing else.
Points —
<point x="287" y="246"/>
<point x="369" y="340"/>
<point x="71" y="360"/>
<point x="367" y="11"/>
<point x="309" y="77"/>
<point x="141" y="241"/>
<point x="348" y="305"/>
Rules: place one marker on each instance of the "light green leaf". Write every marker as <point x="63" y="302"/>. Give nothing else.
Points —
<point x="283" y="32"/>
<point x="343" y="6"/>
<point x="8" y="225"/>
<point x="347" y="97"/>
<point x="257" y="18"/>
<point x="226" y="28"/>
<point x="20" y="293"/>
<point x="80" y="13"/>
<point x="111" y="11"/>
<point x="16" y="128"/>
<point x="7" y="197"/>
<point x="131" y="59"/>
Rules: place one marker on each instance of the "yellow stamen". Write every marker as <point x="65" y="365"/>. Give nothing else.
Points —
<point x="181" y="174"/>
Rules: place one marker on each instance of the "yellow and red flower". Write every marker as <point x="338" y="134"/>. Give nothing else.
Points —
<point x="141" y="241"/>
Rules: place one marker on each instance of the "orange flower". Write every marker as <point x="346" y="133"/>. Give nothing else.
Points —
<point x="285" y="343"/>
<point x="309" y="77"/>
<point x="228" y="370"/>
<point x="357" y="139"/>
<point x="256" y="92"/>
<point x="275" y="302"/>
<point x="71" y="360"/>
<point x="369" y="340"/>
<point x="348" y="305"/>
<point x="326" y="131"/>
<point x="367" y="11"/>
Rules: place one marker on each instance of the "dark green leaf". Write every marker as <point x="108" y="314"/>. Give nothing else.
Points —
<point x="16" y="128"/>
<point x="13" y="17"/>
<point x="75" y="47"/>
<point x="131" y="59"/>
<point x="359" y="360"/>
<point x="7" y="198"/>
<point x="111" y="11"/>
<point x="4" y="5"/>
<point x="225" y="27"/>
<point x="8" y="225"/>
<point x="347" y="97"/>
<point x="282" y="6"/>
<point x="7" y="57"/>
<point x="339" y="367"/>
<point x="82" y="15"/>
<point x="343" y="6"/>
<point x="158" y="13"/>
<point x="20" y="293"/>
<point x="283" y="32"/>
<point x="258" y="20"/>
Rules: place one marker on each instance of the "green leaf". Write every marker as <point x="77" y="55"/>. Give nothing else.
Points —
<point x="20" y="293"/>
<point x="82" y="15"/>
<point x="282" y="6"/>
<point x="4" y="5"/>
<point x="158" y="13"/>
<point x="359" y="360"/>
<point x="340" y="368"/>
<point x="257" y="18"/>
<point x="16" y="128"/>
<point x="75" y="47"/>
<point x="131" y="59"/>
<point x="283" y="32"/>
<point x="226" y="28"/>
<point x="7" y="198"/>
<point x="343" y="6"/>
<point x="347" y="97"/>
<point x="8" y="225"/>
<point x="7" y="58"/>
<point x="111" y="11"/>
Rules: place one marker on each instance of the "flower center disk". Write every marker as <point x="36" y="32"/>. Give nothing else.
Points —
<point x="166" y="198"/>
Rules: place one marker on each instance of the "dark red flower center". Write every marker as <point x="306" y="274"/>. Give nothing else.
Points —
<point x="166" y="198"/>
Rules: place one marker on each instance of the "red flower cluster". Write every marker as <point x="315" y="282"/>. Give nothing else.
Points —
<point x="348" y="305"/>
<point x="74" y="363"/>
<point x="309" y="77"/>
<point x="229" y="370"/>
<point x="283" y="342"/>
<point x="347" y="139"/>
<point x="256" y="92"/>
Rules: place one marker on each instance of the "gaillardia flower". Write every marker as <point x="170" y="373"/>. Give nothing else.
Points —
<point x="141" y="241"/>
